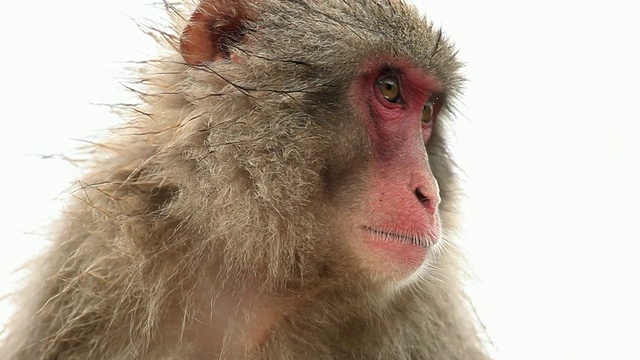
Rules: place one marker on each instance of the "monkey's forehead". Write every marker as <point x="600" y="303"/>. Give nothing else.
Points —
<point x="352" y="32"/>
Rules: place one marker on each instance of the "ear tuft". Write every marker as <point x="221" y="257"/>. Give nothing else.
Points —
<point x="213" y="27"/>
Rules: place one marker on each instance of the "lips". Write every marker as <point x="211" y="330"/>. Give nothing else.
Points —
<point x="419" y="241"/>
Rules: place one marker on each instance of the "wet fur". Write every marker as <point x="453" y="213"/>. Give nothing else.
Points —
<point x="235" y="171"/>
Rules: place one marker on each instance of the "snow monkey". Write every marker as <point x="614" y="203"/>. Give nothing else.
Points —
<point x="283" y="190"/>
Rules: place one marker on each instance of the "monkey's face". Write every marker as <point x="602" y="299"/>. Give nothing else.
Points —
<point x="344" y="129"/>
<point x="395" y="223"/>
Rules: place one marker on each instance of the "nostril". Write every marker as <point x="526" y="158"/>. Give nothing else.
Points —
<point x="421" y="197"/>
<point x="430" y="203"/>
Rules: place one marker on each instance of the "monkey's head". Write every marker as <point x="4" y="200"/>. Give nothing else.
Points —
<point x="315" y="129"/>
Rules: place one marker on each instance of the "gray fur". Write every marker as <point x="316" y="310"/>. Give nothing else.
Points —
<point x="225" y="166"/>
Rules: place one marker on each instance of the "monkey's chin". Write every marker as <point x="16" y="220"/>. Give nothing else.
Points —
<point x="394" y="255"/>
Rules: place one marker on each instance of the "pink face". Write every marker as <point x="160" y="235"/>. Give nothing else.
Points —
<point x="401" y="222"/>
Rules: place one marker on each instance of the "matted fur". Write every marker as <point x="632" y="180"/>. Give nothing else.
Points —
<point x="225" y="172"/>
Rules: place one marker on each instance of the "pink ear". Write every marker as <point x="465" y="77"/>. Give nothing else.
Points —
<point x="214" y="25"/>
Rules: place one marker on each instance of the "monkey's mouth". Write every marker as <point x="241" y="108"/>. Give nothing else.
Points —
<point x="398" y="254"/>
<point x="423" y="242"/>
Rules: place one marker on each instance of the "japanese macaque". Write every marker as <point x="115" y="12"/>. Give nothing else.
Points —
<point x="282" y="191"/>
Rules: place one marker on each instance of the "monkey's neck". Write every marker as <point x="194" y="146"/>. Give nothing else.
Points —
<point x="239" y="319"/>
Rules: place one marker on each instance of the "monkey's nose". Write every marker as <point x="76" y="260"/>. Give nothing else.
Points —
<point x="429" y="200"/>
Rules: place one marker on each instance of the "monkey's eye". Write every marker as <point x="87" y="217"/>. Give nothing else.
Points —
<point x="429" y="110"/>
<point x="427" y="113"/>
<point x="389" y="88"/>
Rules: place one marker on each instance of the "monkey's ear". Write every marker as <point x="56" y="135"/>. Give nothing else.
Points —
<point x="214" y="26"/>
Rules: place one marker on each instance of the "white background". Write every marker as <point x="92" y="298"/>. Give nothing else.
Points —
<point x="548" y="136"/>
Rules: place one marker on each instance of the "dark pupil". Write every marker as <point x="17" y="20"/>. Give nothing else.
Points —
<point x="389" y="87"/>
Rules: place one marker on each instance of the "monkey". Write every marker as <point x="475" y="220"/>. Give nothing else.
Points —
<point x="283" y="190"/>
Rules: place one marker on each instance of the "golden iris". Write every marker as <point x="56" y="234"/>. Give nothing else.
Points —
<point x="389" y="88"/>
<point x="427" y="112"/>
